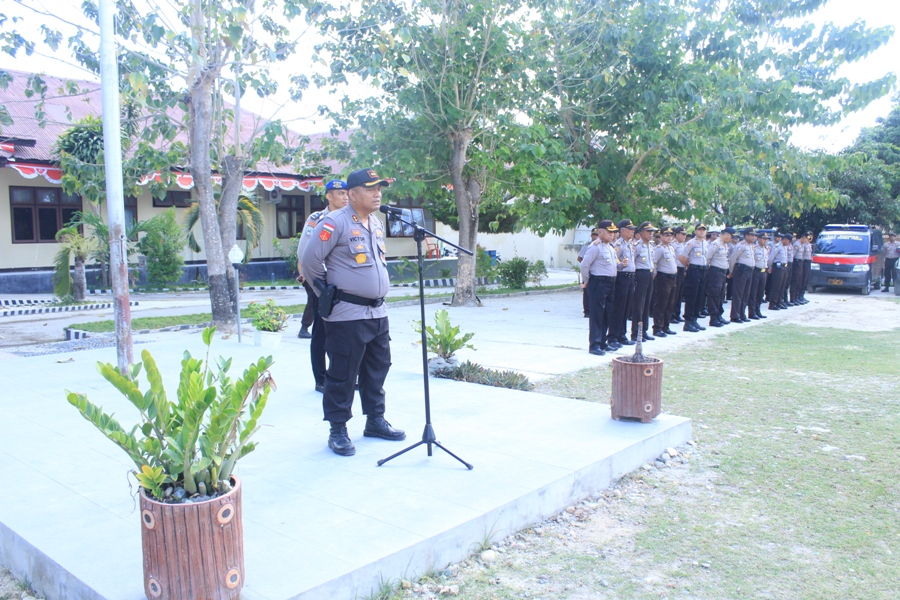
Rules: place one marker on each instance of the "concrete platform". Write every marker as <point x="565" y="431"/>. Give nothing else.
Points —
<point x="316" y="525"/>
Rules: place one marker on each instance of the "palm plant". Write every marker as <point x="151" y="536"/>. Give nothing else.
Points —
<point x="101" y="233"/>
<point x="72" y="243"/>
<point x="248" y="216"/>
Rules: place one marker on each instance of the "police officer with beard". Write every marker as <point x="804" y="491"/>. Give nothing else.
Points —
<point x="349" y="243"/>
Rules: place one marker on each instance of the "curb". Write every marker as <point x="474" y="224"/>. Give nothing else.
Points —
<point x="80" y="334"/>
<point x="445" y="282"/>
<point x="23" y="302"/>
<point x="58" y="309"/>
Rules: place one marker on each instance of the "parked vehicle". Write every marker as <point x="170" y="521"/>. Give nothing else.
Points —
<point x="849" y="256"/>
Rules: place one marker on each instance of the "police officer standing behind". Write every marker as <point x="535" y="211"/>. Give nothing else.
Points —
<point x="680" y="240"/>
<point x="758" y="281"/>
<point x="693" y="257"/>
<point x="778" y="272"/>
<point x="624" y="282"/>
<point x="336" y="194"/>
<point x="742" y="262"/>
<point x="585" y="304"/>
<point x="891" y="254"/>
<point x="715" y="280"/>
<point x="643" y="281"/>
<point x="666" y="265"/>
<point x="349" y="243"/>
<point x="598" y="275"/>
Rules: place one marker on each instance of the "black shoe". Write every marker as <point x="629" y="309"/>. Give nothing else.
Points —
<point x="714" y="323"/>
<point x="339" y="441"/>
<point x="885" y="290"/>
<point x="774" y="307"/>
<point x="320" y="387"/>
<point x="304" y="334"/>
<point x="689" y="326"/>
<point x="669" y="331"/>
<point x="724" y="321"/>
<point x="612" y="347"/>
<point x="378" y="427"/>
<point x="761" y="316"/>
<point x="704" y="313"/>
<point x="753" y="318"/>
<point x="677" y="320"/>
<point x="624" y="341"/>
<point x="587" y="316"/>
<point x="659" y="334"/>
<point x="699" y="326"/>
<point x="648" y="338"/>
<point x="596" y="351"/>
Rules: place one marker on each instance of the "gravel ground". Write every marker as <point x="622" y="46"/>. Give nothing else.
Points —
<point x="12" y="589"/>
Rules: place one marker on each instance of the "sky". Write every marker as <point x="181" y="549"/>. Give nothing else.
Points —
<point x="303" y="116"/>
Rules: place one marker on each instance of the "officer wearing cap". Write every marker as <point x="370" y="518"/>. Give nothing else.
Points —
<point x="336" y="194"/>
<point x="778" y="272"/>
<point x="624" y="282"/>
<point x="666" y="264"/>
<point x="742" y="262"/>
<point x="585" y="304"/>
<point x="805" y="266"/>
<point x="758" y="280"/>
<point x="643" y="280"/>
<point x="776" y="241"/>
<point x="678" y="244"/>
<point x="598" y="275"/>
<point x="717" y="275"/>
<point x="693" y="257"/>
<point x="891" y="254"/>
<point x="797" y="268"/>
<point x="346" y="250"/>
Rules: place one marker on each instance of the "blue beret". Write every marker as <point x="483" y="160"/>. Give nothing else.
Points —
<point x="336" y="184"/>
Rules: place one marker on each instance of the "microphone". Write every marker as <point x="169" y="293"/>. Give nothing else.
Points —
<point x="390" y="210"/>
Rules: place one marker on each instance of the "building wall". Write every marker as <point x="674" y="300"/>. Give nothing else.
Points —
<point x="557" y="251"/>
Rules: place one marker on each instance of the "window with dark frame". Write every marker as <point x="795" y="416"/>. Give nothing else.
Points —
<point x="39" y="213"/>
<point x="290" y="215"/>
<point x="412" y="211"/>
<point x="176" y="198"/>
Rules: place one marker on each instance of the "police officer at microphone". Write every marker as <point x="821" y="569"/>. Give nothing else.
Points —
<point x="349" y="243"/>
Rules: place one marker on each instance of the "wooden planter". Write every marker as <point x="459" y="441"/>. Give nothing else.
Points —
<point x="193" y="551"/>
<point x="636" y="389"/>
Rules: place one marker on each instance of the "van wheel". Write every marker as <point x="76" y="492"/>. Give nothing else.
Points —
<point x="866" y="290"/>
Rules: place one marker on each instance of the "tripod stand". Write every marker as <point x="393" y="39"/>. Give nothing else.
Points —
<point x="428" y="437"/>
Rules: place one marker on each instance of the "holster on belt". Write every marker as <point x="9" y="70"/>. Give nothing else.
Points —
<point x="327" y="297"/>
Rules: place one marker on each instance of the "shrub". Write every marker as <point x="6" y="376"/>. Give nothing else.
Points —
<point x="483" y="266"/>
<point x="267" y="317"/>
<point x="444" y="339"/>
<point x="537" y="271"/>
<point x="474" y="373"/>
<point x="445" y="273"/>
<point x="513" y="273"/>
<point x="288" y="251"/>
<point x="163" y="245"/>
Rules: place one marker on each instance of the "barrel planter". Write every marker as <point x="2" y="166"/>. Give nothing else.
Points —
<point x="193" y="551"/>
<point x="636" y="389"/>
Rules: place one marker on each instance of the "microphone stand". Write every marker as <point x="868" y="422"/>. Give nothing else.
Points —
<point x="428" y="437"/>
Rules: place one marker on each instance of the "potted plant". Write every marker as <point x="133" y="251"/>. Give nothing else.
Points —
<point x="185" y="451"/>
<point x="269" y="321"/>
<point x="443" y="340"/>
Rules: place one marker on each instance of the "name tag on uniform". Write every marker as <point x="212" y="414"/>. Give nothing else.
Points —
<point x="697" y="252"/>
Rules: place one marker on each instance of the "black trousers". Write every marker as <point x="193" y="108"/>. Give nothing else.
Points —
<point x="317" y="342"/>
<point x="757" y="289"/>
<point x="363" y="347"/>
<point x="786" y="282"/>
<point x="796" y="279"/>
<point x="776" y="295"/>
<point x="807" y="268"/>
<point x="309" y="311"/>
<point x="621" y="304"/>
<point x="664" y="291"/>
<point x="585" y="302"/>
<point x="715" y="291"/>
<point x="740" y="290"/>
<point x="601" y="291"/>
<point x="679" y="293"/>
<point x="889" y="264"/>
<point x="694" y="290"/>
<point x="640" y="302"/>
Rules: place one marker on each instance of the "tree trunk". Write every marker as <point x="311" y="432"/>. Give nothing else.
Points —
<point x="79" y="284"/>
<point x="104" y="273"/>
<point x="467" y="194"/>
<point x="232" y="180"/>
<point x="201" y="79"/>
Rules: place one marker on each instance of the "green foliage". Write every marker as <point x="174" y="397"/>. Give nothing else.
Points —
<point x="513" y="273"/>
<point x="267" y="316"/>
<point x="288" y="251"/>
<point x="194" y="441"/>
<point x="537" y="272"/>
<point x="475" y="373"/>
<point x="249" y="217"/>
<point x="407" y="268"/>
<point x="445" y="273"/>
<point x="444" y="339"/>
<point x="71" y="244"/>
<point x="483" y="265"/>
<point x="163" y="245"/>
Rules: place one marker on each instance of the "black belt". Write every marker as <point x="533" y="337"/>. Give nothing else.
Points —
<point x="602" y="277"/>
<point x="718" y="269"/>
<point x="778" y="265"/>
<point x="626" y="273"/>
<point x="701" y="267"/>
<point x="745" y="266"/>
<point x="665" y="274"/>
<point x="353" y="299"/>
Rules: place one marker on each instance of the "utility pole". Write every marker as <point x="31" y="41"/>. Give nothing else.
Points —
<point x="115" y="197"/>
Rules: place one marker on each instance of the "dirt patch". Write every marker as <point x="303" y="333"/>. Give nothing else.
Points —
<point x="13" y="589"/>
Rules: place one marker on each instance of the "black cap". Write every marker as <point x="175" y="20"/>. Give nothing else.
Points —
<point x="749" y="231"/>
<point x="607" y="225"/>
<point x="762" y="234"/>
<point x="787" y="236"/>
<point x="699" y="226"/>
<point x="626" y="224"/>
<point x="667" y="231"/>
<point x="365" y="178"/>
<point x="646" y="226"/>
<point x="776" y="234"/>
<point x="679" y="229"/>
<point x="730" y="230"/>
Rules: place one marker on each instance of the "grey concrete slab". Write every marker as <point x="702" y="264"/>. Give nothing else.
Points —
<point x="318" y="525"/>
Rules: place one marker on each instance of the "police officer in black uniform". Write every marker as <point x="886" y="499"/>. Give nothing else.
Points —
<point x="349" y="243"/>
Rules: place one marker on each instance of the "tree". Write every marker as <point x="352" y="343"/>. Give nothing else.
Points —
<point x="248" y="216"/>
<point x="686" y="107"/>
<point x="179" y="67"/>
<point x="163" y="245"/>
<point x="453" y="76"/>
<point x="72" y="244"/>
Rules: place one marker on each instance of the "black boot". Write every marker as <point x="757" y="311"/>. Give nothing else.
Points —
<point x="304" y="333"/>
<point x="376" y="426"/>
<point x="339" y="441"/>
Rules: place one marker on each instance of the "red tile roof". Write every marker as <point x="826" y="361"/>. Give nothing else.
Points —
<point x="63" y="109"/>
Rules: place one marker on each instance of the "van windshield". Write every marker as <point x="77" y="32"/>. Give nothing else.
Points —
<point x="842" y="243"/>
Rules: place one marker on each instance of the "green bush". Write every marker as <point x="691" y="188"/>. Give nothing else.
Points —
<point x="474" y="373"/>
<point x="483" y="266"/>
<point x="444" y="339"/>
<point x="288" y="251"/>
<point x="537" y="272"/>
<point x="267" y="317"/>
<point x="163" y="245"/>
<point x="513" y="273"/>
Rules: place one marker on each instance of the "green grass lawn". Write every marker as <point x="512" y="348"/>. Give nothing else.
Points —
<point x="793" y="491"/>
<point x="170" y="321"/>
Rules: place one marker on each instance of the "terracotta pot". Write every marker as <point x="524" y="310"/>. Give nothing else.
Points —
<point x="193" y="551"/>
<point x="636" y="389"/>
